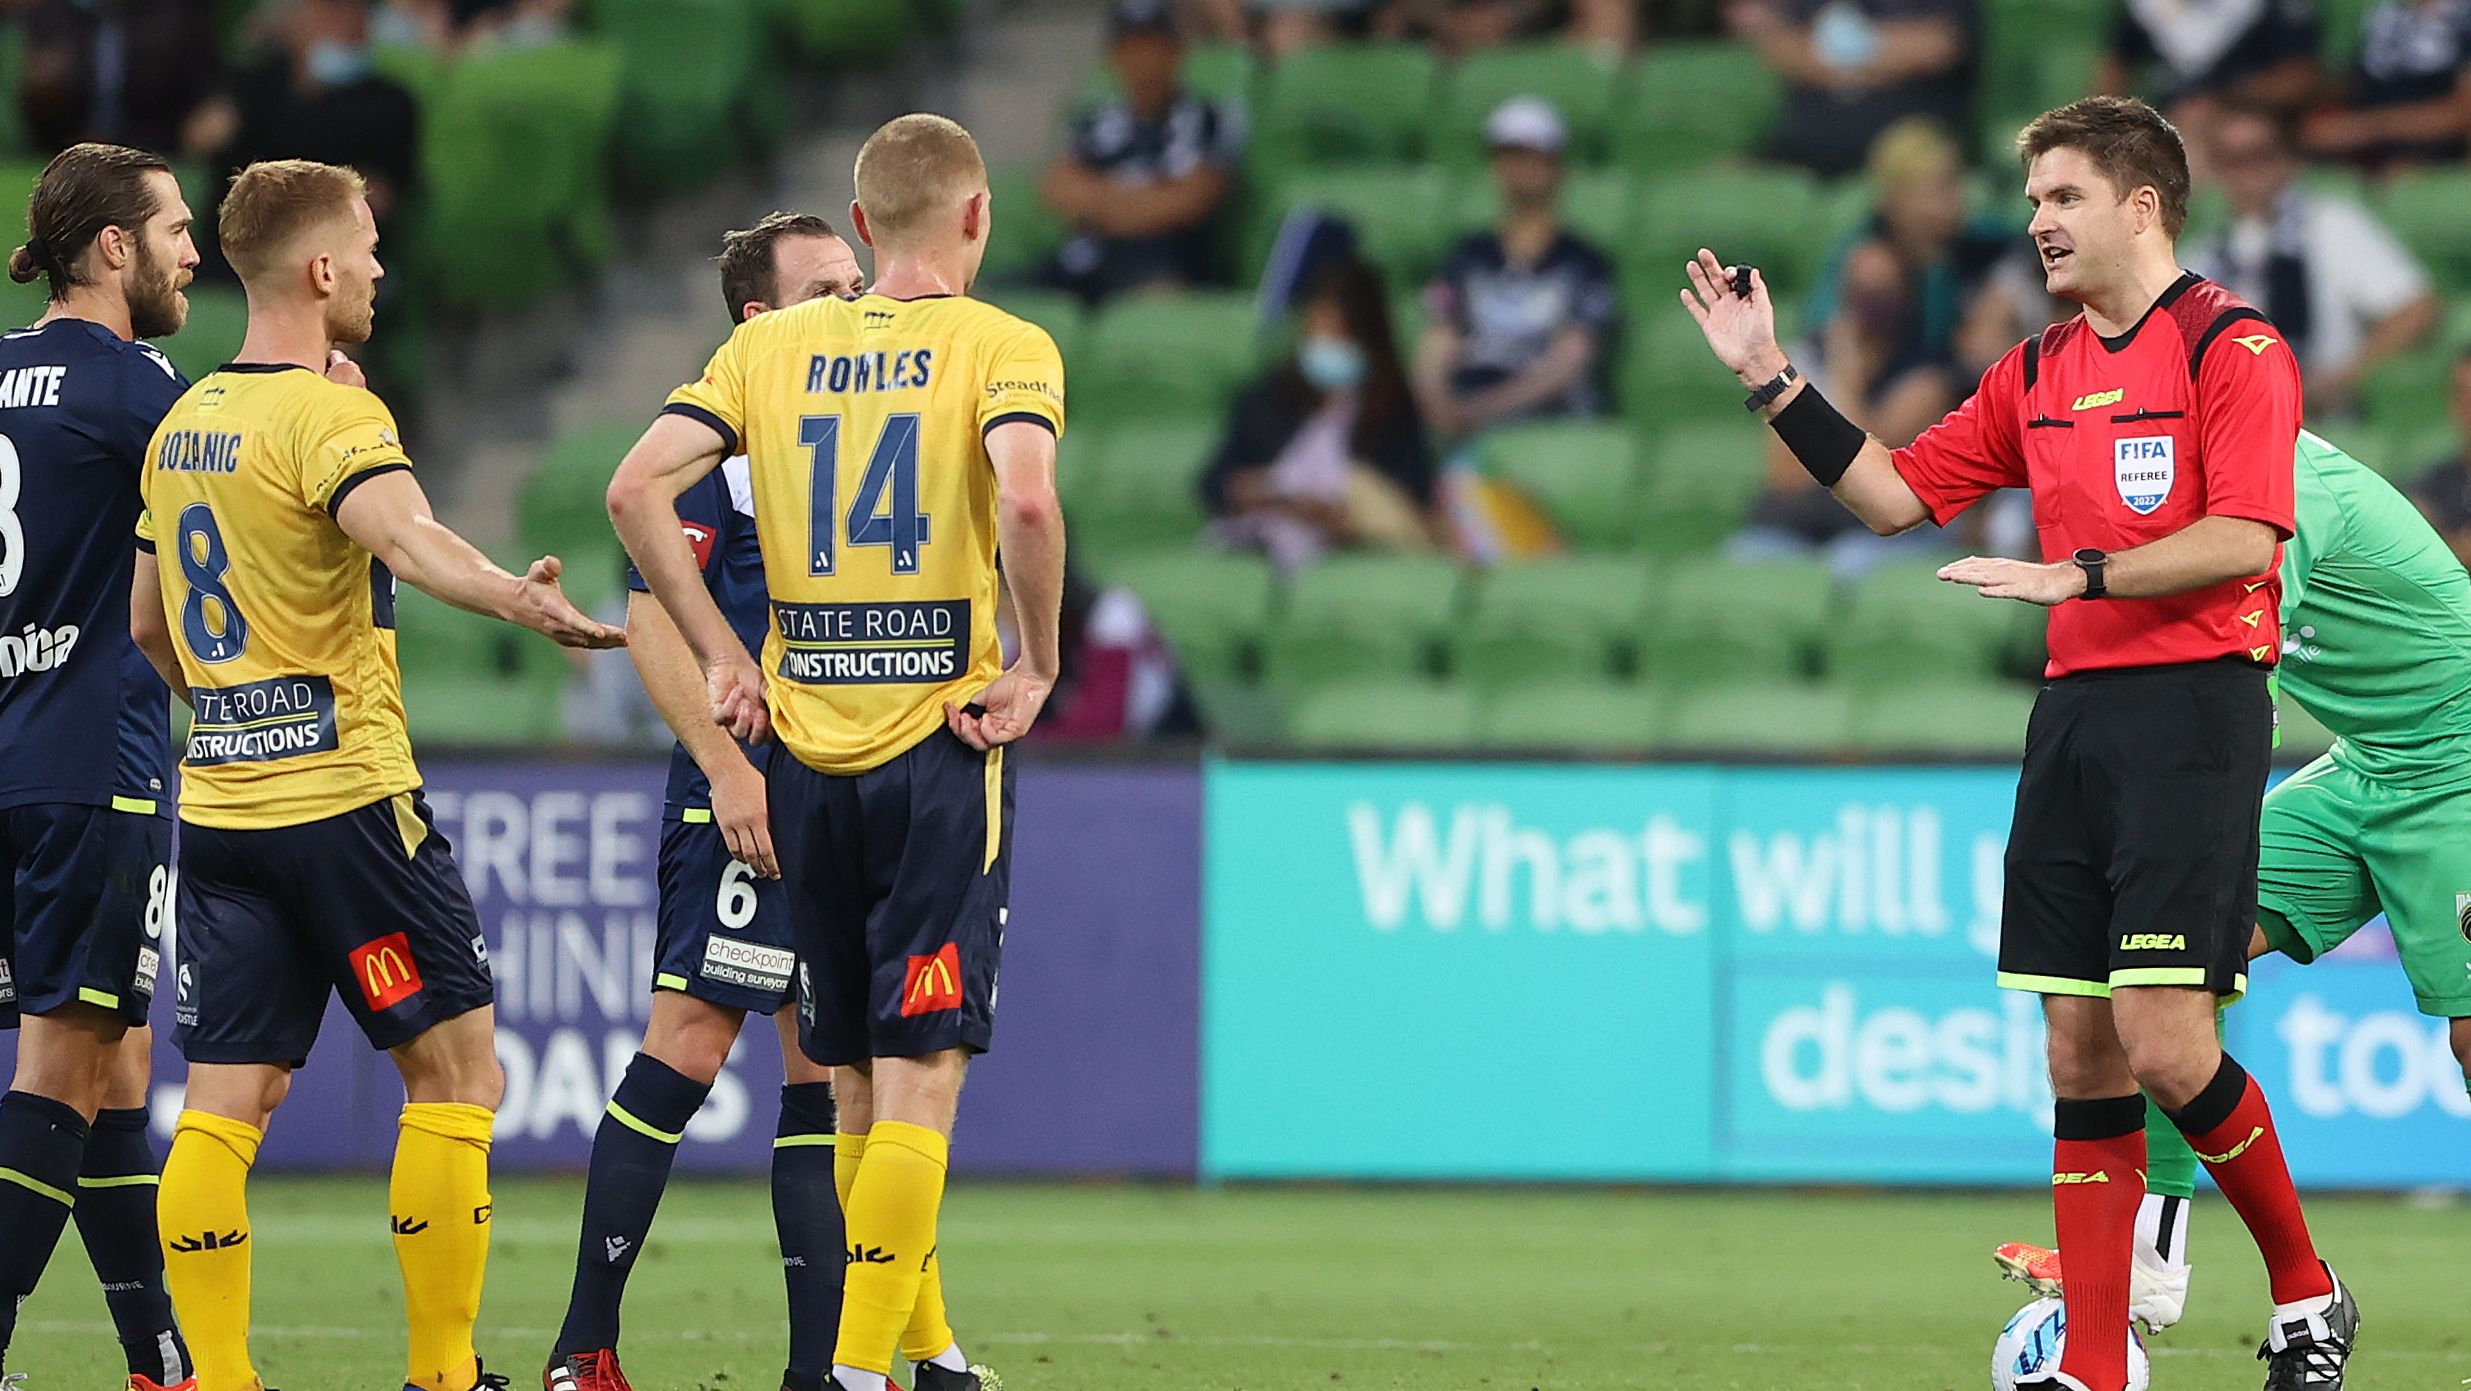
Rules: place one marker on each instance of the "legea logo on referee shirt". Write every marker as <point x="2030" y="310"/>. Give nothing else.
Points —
<point x="2145" y="468"/>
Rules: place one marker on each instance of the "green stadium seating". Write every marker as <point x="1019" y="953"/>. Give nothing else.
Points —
<point x="1664" y="373"/>
<point x="1242" y="715"/>
<point x="849" y="33"/>
<point x="1701" y="478"/>
<point x="1904" y="626"/>
<point x="218" y="320"/>
<point x="514" y="159"/>
<point x="1362" y="615"/>
<point x="1220" y="71"/>
<point x="1720" y="621"/>
<point x="1397" y="214"/>
<point x="1176" y="356"/>
<point x="562" y="508"/>
<point x="463" y="677"/>
<point x="1595" y="202"/>
<point x="1763" y="216"/>
<point x="2409" y="394"/>
<point x="1574" y="618"/>
<point x="1593" y="717"/>
<point x="1141" y="492"/>
<point x="1758" y="717"/>
<point x="1061" y="315"/>
<point x="1366" y="103"/>
<point x="1383" y="717"/>
<point x="1580" y="84"/>
<point x="689" y="70"/>
<point x="1692" y="102"/>
<point x="1212" y="606"/>
<point x="1026" y="231"/>
<point x="1959" y="718"/>
<point x="1584" y="474"/>
<point x="2339" y="33"/>
<point x="2425" y="209"/>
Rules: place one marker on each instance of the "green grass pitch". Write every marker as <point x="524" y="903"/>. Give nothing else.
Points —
<point x="1274" y="1289"/>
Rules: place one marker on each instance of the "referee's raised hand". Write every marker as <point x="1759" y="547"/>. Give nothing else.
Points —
<point x="1741" y="330"/>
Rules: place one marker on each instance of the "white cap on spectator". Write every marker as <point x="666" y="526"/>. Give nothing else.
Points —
<point x="1526" y="123"/>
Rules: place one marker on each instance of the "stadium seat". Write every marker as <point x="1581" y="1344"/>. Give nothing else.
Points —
<point x="1382" y="717"/>
<point x="463" y="677"/>
<point x="1980" y="719"/>
<point x="1141" y="492"/>
<point x="514" y="154"/>
<point x="1360" y="615"/>
<point x="689" y="70"/>
<point x="1584" y="473"/>
<point x="1396" y="211"/>
<point x="2425" y="208"/>
<point x="2339" y="33"/>
<point x="1693" y="102"/>
<point x="1592" y="717"/>
<point x="849" y="33"/>
<point x="1718" y="621"/>
<point x="1595" y="202"/>
<point x="1213" y="607"/>
<point x="1220" y="71"/>
<point x="218" y="320"/>
<point x="1368" y="103"/>
<point x="2409" y="394"/>
<point x="1758" y="717"/>
<point x="1027" y="231"/>
<point x="1060" y="314"/>
<point x="563" y="506"/>
<point x="1240" y="715"/>
<point x="1761" y="216"/>
<point x="1664" y="373"/>
<point x="1700" y="480"/>
<point x="1574" y="618"/>
<point x="1904" y="626"/>
<point x="1580" y="84"/>
<point x="1174" y="356"/>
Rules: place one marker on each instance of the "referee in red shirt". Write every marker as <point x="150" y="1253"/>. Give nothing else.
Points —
<point x="2156" y="431"/>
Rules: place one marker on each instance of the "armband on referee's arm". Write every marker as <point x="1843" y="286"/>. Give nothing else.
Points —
<point x="1822" y="440"/>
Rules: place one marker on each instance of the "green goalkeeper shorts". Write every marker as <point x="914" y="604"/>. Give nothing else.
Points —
<point x="2339" y="848"/>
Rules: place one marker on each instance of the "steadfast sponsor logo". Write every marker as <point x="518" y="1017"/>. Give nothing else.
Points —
<point x="280" y="717"/>
<point x="749" y="964"/>
<point x="36" y="648"/>
<point x="2383" y="1064"/>
<point x="873" y="644"/>
<point x="1840" y="1055"/>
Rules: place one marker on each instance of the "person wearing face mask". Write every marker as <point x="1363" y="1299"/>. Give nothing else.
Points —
<point x="1852" y="68"/>
<point x="1328" y="450"/>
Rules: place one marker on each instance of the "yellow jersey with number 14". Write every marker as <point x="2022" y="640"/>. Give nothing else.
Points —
<point x="864" y="423"/>
<point x="285" y="626"/>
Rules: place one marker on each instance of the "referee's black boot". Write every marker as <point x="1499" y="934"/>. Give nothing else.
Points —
<point x="2308" y="1353"/>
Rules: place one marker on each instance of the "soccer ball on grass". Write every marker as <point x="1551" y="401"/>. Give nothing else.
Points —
<point x="2029" y="1348"/>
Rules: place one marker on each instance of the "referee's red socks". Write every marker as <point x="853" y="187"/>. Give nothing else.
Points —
<point x="2232" y="1129"/>
<point x="2097" y="1181"/>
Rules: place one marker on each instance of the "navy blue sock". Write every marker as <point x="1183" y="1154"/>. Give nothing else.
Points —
<point x="42" y="1142"/>
<point x="115" y="1214"/>
<point x="631" y="1155"/>
<point x="807" y="1212"/>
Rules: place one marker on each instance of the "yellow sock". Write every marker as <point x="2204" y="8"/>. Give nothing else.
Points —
<point x="930" y="1327"/>
<point x="202" y="1208"/>
<point x="847" y="1150"/>
<point x="892" y="1212"/>
<point x="439" y="1199"/>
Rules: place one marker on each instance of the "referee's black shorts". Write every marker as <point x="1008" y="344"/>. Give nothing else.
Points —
<point x="2132" y="859"/>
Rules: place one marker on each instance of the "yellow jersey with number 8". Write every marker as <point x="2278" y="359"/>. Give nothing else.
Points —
<point x="864" y="423"/>
<point x="285" y="626"/>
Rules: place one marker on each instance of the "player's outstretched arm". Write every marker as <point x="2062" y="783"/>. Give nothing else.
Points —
<point x="643" y="505"/>
<point x="388" y="514"/>
<point x="2200" y="555"/>
<point x="150" y="627"/>
<point x="676" y="685"/>
<point x="1030" y="539"/>
<point x="1741" y="331"/>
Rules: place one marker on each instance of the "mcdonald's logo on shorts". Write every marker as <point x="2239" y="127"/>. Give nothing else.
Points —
<point x="385" y="971"/>
<point x="933" y="982"/>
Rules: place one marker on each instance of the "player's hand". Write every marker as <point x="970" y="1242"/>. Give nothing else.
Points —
<point x="543" y="607"/>
<point x="343" y="371"/>
<point x="1011" y="701"/>
<point x="740" y="810"/>
<point x="1741" y="332"/>
<point x="736" y="686"/>
<point x="2046" y="585"/>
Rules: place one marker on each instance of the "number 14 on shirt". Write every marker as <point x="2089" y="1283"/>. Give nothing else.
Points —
<point x="885" y="510"/>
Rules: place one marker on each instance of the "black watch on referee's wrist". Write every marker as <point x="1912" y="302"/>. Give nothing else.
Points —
<point x="1777" y="386"/>
<point x="2093" y="563"/>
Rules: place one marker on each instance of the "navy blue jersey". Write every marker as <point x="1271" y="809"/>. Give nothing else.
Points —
<point x="1508" y="314"/>
<point x="718" y="514"/>
<point x="77" y="406"/>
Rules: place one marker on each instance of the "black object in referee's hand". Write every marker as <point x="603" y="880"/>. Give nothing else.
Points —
<point x="1741" y="281"/>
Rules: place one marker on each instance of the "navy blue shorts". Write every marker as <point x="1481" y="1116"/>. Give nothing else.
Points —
<point x="367" y="904"/>
<point x="725" y="934"/>
<point x="898" y="879"/>
<point x="81" y="908"/>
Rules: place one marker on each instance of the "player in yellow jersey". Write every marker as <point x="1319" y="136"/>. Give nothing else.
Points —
<point x="284" y="509"/>
<point x="894" y="441"/>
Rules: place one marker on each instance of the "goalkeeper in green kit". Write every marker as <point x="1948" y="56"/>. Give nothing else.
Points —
<point x="2376" y="623"/>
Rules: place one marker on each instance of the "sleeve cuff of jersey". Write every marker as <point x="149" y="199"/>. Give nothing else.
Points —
<point x="718" y="426"/>
<point x="344" y="488"/>
<point x="1021" y="417"/>
<point x="145" y="544"/>
<point x="2281" y="522"/>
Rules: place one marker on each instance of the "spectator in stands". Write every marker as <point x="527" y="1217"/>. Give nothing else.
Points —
<point x="2409" y="99"/>
<point x="132" y="72"/>
<point x="2190" y="58"/>
<point x="2324" y="269"/>
<point x="1327" y="451"/>
<point x="318" y="96"/>
<point x="1146" y="175"/>
<point x="1852" y="68"/>
<point x="2444" y="492"/>
<point x="1519" y="318"/>
<point x="1608" y="28"/>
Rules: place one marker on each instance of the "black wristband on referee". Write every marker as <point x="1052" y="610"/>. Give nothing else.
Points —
<point x="1820" y="437"/>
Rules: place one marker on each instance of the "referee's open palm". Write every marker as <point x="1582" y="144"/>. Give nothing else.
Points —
<point x="1740" y="331"/>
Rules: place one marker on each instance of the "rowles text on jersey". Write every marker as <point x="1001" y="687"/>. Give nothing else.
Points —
<point x="36" y="649"/>
<point x="877" y="371"/>
<point x="873" y="644"/>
